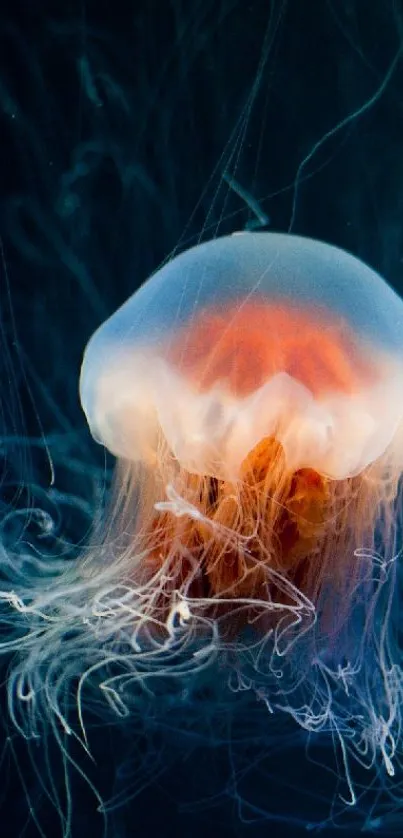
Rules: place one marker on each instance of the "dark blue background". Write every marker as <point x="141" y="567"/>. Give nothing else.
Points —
<point x="117" y="123"/>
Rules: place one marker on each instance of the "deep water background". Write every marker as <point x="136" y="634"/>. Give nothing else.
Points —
<point x="118" y="123"/>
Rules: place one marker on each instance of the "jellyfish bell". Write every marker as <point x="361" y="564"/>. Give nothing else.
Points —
<point x="246" y="337"/>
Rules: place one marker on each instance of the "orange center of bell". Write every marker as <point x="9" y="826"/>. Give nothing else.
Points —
<point x="245" y="344"/>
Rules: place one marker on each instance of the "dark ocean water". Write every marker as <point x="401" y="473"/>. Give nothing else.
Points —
<point x="130" y="129"/>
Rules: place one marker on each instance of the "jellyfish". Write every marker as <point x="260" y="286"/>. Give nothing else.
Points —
<point x="249" y="391"/>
